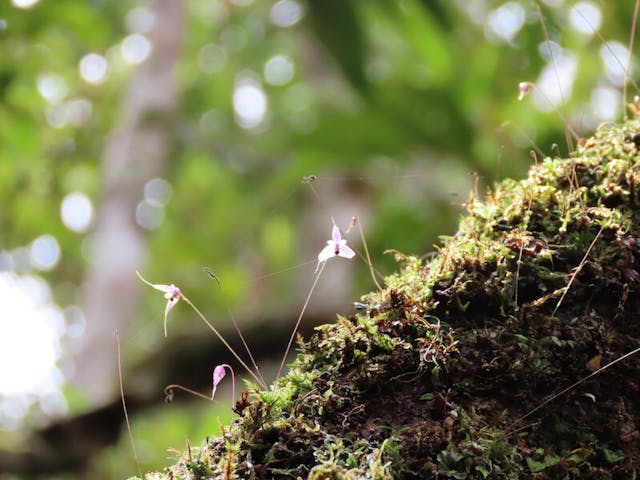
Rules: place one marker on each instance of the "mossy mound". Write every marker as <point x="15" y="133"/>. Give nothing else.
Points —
<point x="432" y="379"/>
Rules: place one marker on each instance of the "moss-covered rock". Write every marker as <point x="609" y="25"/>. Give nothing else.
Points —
<point x="440" y="375"/>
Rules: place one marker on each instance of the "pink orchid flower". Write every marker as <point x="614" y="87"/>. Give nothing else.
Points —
<point x="171" y="293"/>
<point x="218" y="374"/>
<point x="337" y="246"/>
<point x="524" y="88"/>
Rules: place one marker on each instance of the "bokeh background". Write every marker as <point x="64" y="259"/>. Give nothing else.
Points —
<point x="171" y="135"/>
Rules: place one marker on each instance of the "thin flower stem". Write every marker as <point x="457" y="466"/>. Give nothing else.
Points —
<point x="168" y="388"/>
<point x="574" y="385"/>
<point x="226" y="344"/>
<point x="271" y="274"/>
<point x="569" y="132"/>
<point x="233" y="387"/>
<point x="246" y="346"/>
<point x="295" y="329"/>
<point x="577" y="271"/>
<point x="124" y="405"/>
<point x="218" y="378"/>
<point x="366" y="252"/>
<point x="172" y="294"/>
<point x="237" y="327"/>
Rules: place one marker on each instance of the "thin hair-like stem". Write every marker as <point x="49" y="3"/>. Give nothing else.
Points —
<point x="515" y="286"/>
<point x="575" y="273"/>
<point x="271" y="274"/>
<point x="606" y="45"/>
<point x="295" y="328"/>
<point x="168" y="389"/>
<point x="365" y="258"/>
<point x="568" y="129"/>
<point x="366" y="252"/>
<point x="124" y="405"/>
<point x="237" y="327"/>
<point x="225" y="343"/>
<point x="233" y="388"/>
<point x="246" y="346"/>
<point x="574" y="385"/>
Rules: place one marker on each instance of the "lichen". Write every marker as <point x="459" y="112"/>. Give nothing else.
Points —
<point x="436" y="376"/>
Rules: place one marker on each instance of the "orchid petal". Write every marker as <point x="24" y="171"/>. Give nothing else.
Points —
<point x="172" y="300"/>
<point x="346" y="251"/>
<point x="335" y="234"/>
<point x="171" y="293"/>
<point x="327" y="252"/>
<point x="163" y="288"/>
<point x="158" y="286"/>
<point x="218" y="374"/>
<point x="170" y="304"/>
<point x="145" y="280"/>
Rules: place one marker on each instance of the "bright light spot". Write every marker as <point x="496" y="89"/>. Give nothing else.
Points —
<point x="157" y="192"/>
<point x="279" y="70"/>
<point x="53" y="88"/>
<point x="507" y="20"/>
<point x="213" y="121"/>
<point x="135" y="49"/>
<point x="45" y="252"/>
<point x="550" y="50"/>
<point x="24" y="3"/>
<point x="93" y="68"/>
<point x="139" y="20"/>
<point x="21" y="259"/>
<point x="149" y="216"/>
<point x="3" y="24"/>
<point x="249" y="102"/>
<point x="615" y="57"/>
<point x="6" y="261"/>
<point x="54" y="405"/>
<point x="211" y="58"/>
<point x="585" y="17"/>
<point x="476" y="10"/>
<point x="78" y="111"/>
<point x="76" y="212"/>
<point x="605" y="103"/>
<point x="56" y="115"/>
<point x="30" y="329"/>
<point x="75" y="321"/>
<point x="298" y="105"/>
<point x="555" y="83"/>
<point x="286" y="13"/>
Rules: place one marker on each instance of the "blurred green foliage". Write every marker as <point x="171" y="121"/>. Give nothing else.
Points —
<point x="393" y="102"/>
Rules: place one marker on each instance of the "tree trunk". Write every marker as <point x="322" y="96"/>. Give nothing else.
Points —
<point x="136" y="152"/>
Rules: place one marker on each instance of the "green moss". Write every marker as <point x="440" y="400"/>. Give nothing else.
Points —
<point x="538" y="287"/>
